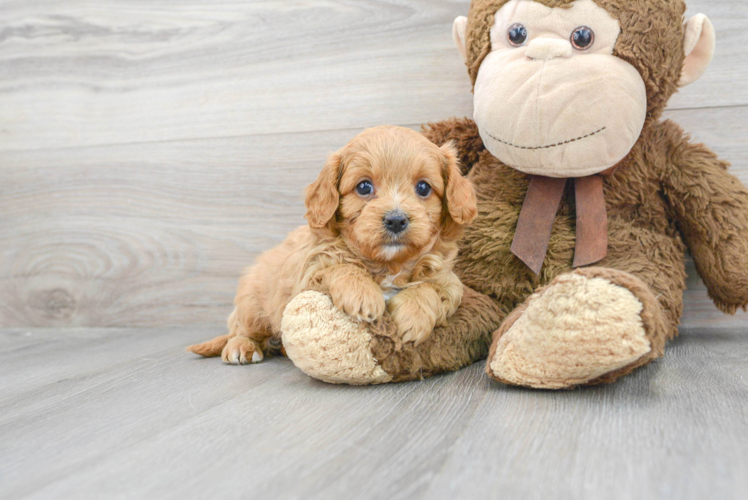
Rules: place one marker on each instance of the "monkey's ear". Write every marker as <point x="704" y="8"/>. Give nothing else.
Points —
<point x="698" y="44"/>
<point x="458" y="33"/>
<point x="459" y="192"/>
<point x="322" y="195"/>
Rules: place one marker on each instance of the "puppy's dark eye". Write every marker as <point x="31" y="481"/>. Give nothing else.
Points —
<point x="517" y="34"/>
<point x="582" y="38"/>
<point x="423" y="189"/>
<point x="365" y="188"/>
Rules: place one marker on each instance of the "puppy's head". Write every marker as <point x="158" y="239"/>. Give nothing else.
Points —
<point x="391" y="194"/>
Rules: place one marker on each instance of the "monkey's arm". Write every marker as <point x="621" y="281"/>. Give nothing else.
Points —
<point x="463" y="132"/>
<point x="711" y="207"/>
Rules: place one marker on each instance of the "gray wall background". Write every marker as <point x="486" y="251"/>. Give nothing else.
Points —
<point x="150" y="150"/>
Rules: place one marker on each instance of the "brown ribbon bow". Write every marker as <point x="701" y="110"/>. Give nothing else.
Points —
<point x="539" y="210"/>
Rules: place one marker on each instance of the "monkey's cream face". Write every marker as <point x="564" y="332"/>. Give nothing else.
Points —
<point x="551" y="98"/>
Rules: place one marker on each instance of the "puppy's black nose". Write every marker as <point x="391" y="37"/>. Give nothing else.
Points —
<point x="396" y="222"/>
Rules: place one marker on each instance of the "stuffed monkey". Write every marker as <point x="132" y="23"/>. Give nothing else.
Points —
<point x="587" y="202"/>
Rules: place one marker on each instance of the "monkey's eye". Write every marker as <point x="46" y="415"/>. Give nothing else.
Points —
<point x="365" y="188"/>
<point x="423" y="189"/>
<point x="517" y="34"/>
<point x="582" y="38"/>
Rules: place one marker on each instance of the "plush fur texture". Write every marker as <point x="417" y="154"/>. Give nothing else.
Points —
<point x="312" y="331"/>
<point x="667" y="191"/>
<point x="595" y="316"/>
<point x="666" y="196"/>
<point x="337" y="351"/>
<point x="348" y="252"/>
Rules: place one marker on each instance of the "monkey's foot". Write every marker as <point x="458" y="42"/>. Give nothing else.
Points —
<point x="327" y="344"/>
<point x="588" y="326"/>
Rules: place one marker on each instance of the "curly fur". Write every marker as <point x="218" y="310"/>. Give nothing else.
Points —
<point x="346" y="251"/>
<point x="667" y="196"/>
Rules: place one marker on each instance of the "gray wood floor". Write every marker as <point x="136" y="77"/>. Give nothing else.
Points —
<point x="130" y="415"/>
<point x="150" y="150"/>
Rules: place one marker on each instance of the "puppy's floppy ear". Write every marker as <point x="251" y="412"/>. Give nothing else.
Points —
<point x="459" y="192"/>
<point x="322" y="195"/>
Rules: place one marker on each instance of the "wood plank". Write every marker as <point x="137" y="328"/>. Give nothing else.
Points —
<point x="135" y="72"/>
<point x="101" y="421"/>
<point x="88" y="73"/>
<point x="157" y="233"/>
<point x="291" y="424"/>
<point x="99" y="235"/>
<point x="91" y="357"/>
<point x="672" y="430"/>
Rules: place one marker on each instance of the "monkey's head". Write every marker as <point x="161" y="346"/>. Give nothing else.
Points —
<point x="564" y="88"/>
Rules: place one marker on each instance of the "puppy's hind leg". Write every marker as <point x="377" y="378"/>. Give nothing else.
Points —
<point x="246" y="336"/>
<point x="210" y="348"/>
<point x="249" y="328"/>
<point x="234" y="349"/>
<point x="242" y="351"/>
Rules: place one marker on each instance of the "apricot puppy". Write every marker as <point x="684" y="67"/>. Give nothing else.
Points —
<point x="384" y="216"/>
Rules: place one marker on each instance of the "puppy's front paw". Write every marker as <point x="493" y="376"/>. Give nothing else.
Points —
<point x="241" y="351"/>
<point x="363" y="301"/>
<point x="414" y="321"/>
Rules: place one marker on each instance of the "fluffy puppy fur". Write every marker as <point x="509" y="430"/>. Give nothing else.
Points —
<point x="353" y="250"/>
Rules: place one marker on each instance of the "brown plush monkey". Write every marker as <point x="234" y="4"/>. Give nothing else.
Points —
<point x="587" y="203"/>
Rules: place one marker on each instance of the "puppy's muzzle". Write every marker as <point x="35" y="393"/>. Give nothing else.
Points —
<point x="395" y="222"/>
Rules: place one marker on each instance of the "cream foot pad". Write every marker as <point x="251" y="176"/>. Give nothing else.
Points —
<point x="328" y="345"/>
<point x="577" y="329"/>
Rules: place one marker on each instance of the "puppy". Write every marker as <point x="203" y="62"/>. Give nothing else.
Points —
<point x="383" y="220"/>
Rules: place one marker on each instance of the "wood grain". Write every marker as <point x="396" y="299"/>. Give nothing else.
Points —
<point x="157" y="234"/>
<point x="87" y="73"/>
<point x="151" y="150"/>
<point x="125" y="413"/>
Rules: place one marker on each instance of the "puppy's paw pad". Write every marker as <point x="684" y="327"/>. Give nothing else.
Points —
<point x="366" y="304"/>
<point x="241" y="351"/>
<point x="416" y="336"/>
<point x="371" y="308"/>
<point x="414" y="323"/>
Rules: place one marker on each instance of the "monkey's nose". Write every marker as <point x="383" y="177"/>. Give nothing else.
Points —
<point x="395" y="222"/>
<point x="548" y="48"/>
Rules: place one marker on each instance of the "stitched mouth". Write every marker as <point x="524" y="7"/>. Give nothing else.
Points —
<point x="549" y="145"/>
